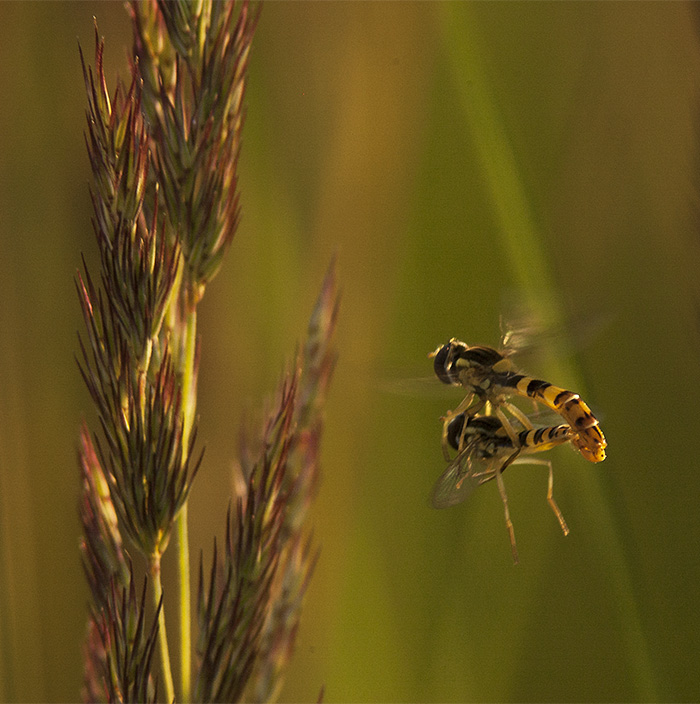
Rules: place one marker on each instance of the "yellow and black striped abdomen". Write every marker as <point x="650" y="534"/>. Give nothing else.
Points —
<point x="487" y="437"/>
<point x="543" y="439"/>
<point x="589" y="439"/>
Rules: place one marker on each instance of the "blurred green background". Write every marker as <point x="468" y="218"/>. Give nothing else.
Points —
<point x="454" y="156"/>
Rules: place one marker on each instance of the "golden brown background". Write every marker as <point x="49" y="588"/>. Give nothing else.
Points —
<point x="451" y="154"/>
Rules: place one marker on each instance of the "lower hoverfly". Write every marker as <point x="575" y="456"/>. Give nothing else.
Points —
<point x="489" y="377"/>
<point x="484" y="451"/>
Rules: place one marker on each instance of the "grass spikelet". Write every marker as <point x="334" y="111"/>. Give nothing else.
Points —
<point x="101" y="546"/>
<point x="120" y="647"/>
<point x="193" y="58"/>
<point x="232" y="610"/>
<point x="249" y="612"/>
<point x="163" y="154"/>
<point x="297" y="555"/>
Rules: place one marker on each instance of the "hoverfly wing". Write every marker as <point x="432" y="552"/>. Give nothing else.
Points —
<point x="525" y="333"/>
<point x="457" y="482"/>
<point x="413" y="387"/>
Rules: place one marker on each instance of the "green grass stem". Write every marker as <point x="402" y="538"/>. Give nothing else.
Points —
<point x="157" y="589"/>
<point x="188" y="372"/>
<point x="183" y="571"/>
<point x="181" y="524"/>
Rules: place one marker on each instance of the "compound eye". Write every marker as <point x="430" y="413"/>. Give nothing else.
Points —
<point x="440" y="363"/>
<point x="454" y="431"/>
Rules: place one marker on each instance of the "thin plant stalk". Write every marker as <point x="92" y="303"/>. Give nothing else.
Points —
<point x="181" y="522"/>
<point x="157" y="589"/>
<point x="183" y="572"/>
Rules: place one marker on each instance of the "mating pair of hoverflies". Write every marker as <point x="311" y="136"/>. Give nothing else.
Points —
<point x="489" y="433"/>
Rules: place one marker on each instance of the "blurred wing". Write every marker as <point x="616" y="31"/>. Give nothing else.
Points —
<point x="415" y="387"/>
<point x="527" y="334"/>
<point x="524" y="334"/>
<point x="458" y="481"/>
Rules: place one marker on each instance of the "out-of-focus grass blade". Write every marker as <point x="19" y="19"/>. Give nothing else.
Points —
<point x="531" y="269"/>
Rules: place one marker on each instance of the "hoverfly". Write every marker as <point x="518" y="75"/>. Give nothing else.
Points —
<point x="484" y="450"/>
<point x="489" y="377"/>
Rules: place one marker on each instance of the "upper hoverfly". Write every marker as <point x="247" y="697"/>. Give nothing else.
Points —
<point x="489" y="377"/>
<point x="484" y="450"/>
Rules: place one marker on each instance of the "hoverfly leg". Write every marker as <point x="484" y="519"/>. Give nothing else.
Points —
<point x="550" y="497"/>
<point x="519" y="415"/>
<point x="550" y="491"/>
<point x="508" y="426"/>
<point x="444" y="443"/>
<point x="464" y="407"/>
<point x="504" y="498"/>
<point x="553" y="503"/>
